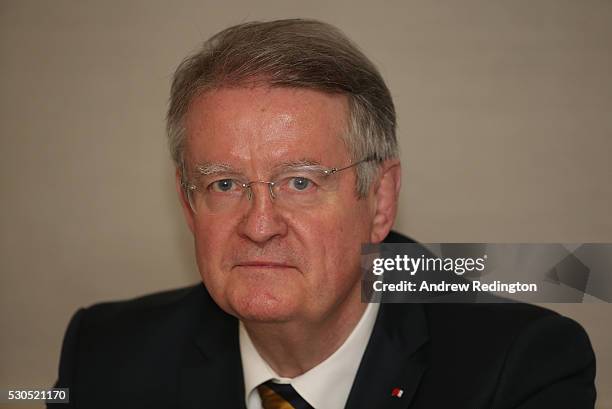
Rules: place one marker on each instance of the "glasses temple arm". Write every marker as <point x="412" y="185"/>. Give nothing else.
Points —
<point x="336" y="170"/>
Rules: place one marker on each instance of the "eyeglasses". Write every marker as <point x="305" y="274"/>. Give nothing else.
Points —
<point x="217" y="189"/>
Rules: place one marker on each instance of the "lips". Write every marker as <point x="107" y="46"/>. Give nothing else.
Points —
<point x="263" y="264"/>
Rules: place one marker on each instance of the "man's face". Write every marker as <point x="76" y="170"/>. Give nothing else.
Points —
<point x="262" y="261"/>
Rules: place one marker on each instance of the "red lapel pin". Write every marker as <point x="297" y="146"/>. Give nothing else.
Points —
<point x="397" y="392"/>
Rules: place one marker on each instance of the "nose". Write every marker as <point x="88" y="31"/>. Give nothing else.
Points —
<point x="262" y="221"/>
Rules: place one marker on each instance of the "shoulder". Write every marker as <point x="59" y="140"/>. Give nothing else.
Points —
<point x="160" y="302"/>
<point x="140" y="342"/>
<point x="122" y="323"/>
<point x="179" y="311"/>
<point x="111" y="331"/>
<point x="516" y="351"/>
<point x="501" y="328"/>
<point x="503" y="318"/>
<point x="138" y="312"/>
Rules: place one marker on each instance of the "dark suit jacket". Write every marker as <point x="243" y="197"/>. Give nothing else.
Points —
<point x="177" y="349"/>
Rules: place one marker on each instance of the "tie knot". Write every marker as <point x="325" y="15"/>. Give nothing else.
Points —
<point x="281" y="396"/>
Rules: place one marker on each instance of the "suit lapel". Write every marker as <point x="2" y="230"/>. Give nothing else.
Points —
<point x="395" y="359"/>
<point x="211" y="376"/>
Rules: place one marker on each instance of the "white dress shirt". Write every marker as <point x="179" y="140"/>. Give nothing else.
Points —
<point x="327" y="385"/>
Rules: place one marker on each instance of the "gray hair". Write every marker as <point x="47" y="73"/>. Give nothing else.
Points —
<point x="292" y="53"/>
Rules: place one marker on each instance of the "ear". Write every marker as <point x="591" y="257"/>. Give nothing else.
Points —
<point x="189" y="215"/>
<point x="385" y="197"/>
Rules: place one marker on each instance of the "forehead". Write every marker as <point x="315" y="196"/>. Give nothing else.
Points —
<point x="239" y="125"/>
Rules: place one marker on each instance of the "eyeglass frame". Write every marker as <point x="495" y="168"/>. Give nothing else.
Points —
<point x="190" y="187"/>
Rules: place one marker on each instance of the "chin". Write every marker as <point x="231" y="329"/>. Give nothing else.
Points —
<point x="263" y="305"/>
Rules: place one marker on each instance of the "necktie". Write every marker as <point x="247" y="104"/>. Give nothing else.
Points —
<point x="281" y="396"/>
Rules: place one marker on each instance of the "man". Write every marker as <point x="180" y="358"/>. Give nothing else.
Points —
<point x="283" y="136"/>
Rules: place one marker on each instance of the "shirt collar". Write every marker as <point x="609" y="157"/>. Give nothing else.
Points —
<point x="327" y="385"/>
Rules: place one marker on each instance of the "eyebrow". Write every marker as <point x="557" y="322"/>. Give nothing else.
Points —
<point x="213" y="168"/>
<point x="210" y="168"/>
<point x="301" y="163"/>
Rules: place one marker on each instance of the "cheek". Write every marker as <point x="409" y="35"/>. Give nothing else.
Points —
<point x="211" y="239"/>
<point x="333" y="241"/>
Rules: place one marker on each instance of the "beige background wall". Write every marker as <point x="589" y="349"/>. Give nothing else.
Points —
<point x="505" y="125"/>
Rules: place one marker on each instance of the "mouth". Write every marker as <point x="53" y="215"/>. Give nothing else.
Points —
<point x="263" y="264"/>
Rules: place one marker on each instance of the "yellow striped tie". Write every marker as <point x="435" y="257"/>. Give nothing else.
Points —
<point x="281" y="396"/>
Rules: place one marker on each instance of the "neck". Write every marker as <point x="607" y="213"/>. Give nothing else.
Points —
<point x="292" y="348"/>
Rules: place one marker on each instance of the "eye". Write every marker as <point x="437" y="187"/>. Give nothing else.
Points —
<point x="223" y="185"/>
<point x="300" y="183"/>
